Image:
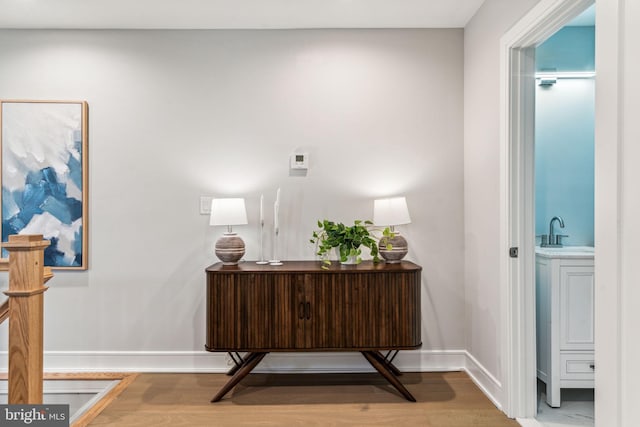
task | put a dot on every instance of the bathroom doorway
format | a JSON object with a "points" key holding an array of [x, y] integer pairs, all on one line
{"points": [[564, 223], [517, 237]]}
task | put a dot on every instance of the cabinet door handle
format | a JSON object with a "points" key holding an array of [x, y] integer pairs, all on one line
{"points": [[593, 366], [301, 311], [308, 311]]}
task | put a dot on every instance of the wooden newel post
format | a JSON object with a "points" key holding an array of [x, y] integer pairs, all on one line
{"points": [[26, 303]]}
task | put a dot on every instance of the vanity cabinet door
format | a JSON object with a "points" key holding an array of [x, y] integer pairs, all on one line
{"points": [[576, 307]]}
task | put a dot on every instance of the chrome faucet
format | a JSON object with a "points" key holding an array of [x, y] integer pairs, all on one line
{"points": [[560, 221], [553, 240]]}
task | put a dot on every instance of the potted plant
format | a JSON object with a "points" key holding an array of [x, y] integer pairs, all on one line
{"points": [[348, 240]]}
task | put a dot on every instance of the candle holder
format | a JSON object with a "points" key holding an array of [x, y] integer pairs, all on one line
{"points": [[275, 260], [276, 230], [262, 260]]}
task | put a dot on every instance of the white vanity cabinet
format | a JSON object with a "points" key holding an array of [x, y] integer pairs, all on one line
{"points": [[564, 319]]}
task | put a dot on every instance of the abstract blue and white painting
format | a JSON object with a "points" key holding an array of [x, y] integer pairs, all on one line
{"points": [[44, 177]]}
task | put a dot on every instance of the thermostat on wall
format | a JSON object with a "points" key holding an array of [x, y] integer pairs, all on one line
{"points": [[299, 161]]}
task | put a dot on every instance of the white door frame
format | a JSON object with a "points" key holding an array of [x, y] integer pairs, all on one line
{"points": [[517, 220]]}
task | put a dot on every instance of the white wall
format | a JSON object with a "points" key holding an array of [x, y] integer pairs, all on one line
{"points": [[617, 222], [630, 214], [482, 177], [617, 208], [176, 115]]}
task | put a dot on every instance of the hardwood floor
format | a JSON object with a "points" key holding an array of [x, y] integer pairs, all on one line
{"points": [[443, 399]]}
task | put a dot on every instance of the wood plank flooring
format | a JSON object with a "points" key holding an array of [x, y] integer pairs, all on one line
{"points": [[364, 399]]}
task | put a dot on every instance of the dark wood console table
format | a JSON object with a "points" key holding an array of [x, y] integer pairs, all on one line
{"points": [[257, 309]]}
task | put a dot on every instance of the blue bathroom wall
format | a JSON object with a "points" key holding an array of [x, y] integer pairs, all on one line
{"points": [[570, 49], [564, 163]]}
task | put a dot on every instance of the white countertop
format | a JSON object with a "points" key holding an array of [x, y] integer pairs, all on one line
{"points": [[566, 252]]}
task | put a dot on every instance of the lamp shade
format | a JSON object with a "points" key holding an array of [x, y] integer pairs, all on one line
{"points": [[228, 212], [392, 211]]}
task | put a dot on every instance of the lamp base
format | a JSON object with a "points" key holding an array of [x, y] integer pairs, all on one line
{"points": [[229, 248], [399, 248]]}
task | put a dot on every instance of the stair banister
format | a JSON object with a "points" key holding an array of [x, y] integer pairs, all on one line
{"points": [[27, 276]]}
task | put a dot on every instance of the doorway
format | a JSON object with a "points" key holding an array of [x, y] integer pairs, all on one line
{"points": [[564, 223], [517, 198]]}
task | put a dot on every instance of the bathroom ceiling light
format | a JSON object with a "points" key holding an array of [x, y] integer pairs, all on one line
{"points": [[566, 75]]}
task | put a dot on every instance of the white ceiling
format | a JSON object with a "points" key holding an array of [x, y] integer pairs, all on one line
{"points": [[240, 14]]}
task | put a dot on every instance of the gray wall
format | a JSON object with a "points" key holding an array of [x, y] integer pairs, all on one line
{"points": [[482, 177], [176, 115]]}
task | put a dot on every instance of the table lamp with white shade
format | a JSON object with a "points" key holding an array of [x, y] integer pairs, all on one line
{"points": [[391, 212], [229, 212]]}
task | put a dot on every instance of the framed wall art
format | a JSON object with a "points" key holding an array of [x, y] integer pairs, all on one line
{"points": [[44, 176]]}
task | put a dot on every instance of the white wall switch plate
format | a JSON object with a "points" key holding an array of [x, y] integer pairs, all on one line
{"points": [[205, 205]]}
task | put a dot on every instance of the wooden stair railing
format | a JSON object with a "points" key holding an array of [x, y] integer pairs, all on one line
{"points": [[4, 310], [24, 308], [4, 307]]}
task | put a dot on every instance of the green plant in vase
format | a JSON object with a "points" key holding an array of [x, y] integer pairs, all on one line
{"points": [[348, 240]]}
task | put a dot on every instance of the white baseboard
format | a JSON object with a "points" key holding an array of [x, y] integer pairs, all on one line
{"points": [[529, 422], [206, 362], [63, 386], [203, 361], [489, 385]]}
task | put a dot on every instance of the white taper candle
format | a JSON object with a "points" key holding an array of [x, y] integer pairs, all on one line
{"points": [[276, 211], [261, 209]]}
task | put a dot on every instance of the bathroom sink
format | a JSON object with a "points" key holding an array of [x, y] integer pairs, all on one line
{"points": [[566, 251]]}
